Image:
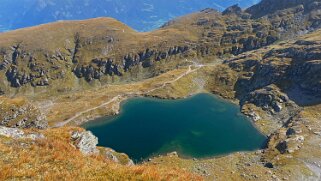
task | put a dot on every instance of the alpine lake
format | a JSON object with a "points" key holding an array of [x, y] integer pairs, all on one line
{"points": [[200, 126]]}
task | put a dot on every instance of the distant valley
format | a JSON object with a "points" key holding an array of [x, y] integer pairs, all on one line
{"points": [[55, 77], [142, 15]]}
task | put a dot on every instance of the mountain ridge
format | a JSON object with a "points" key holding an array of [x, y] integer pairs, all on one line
{"points": [[67, 73], [95, 51], [143, 16]]}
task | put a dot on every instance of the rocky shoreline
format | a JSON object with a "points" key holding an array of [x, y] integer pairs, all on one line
{"points": [[271, 69]]}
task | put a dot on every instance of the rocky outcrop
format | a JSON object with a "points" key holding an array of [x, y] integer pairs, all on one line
{"points": [[85, 141], [272, 83], [275, 104], [271, 21], [110, 154], [268, 98], [235, 9], [289, 138], [109, 66], [266, 7], [18, 113], [297, 65], [118, 157], [96, 52], [22, 67], [19, 134]]}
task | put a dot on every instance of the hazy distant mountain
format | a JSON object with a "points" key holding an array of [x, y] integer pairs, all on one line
{"points": [[142, 15]]}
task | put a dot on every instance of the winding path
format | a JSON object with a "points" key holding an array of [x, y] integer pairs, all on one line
{"points": [[118, 97], [86, 111]]}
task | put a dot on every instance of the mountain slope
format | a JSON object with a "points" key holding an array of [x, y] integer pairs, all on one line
{"points": [[143, 15], [55, 154], [266, 58], [106, 51], [268, 7], [260, 79]]}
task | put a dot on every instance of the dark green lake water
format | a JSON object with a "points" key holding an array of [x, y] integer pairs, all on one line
{"points": [[200, 126]]}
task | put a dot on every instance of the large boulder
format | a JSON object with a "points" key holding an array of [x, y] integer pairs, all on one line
{"points": [[86, 142]]}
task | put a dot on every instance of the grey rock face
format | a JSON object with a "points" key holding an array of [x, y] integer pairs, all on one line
{"points": [[238, 33], [254, 116], [276, 104], [235, 9], [108, 66], [86, 142], [298, 66], [120, 158], [271, 6], [291, 139], [130, 163], [266, 98], [110, 155], [23, 116], [19, 134]]}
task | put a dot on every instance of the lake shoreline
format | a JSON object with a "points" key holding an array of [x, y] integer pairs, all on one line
{"points": [[101, 122]]}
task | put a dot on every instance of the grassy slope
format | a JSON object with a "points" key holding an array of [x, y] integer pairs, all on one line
{"points": [[55, 158], [220, 80]]}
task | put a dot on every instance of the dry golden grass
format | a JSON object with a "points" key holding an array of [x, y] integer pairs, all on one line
{"points": [[84, 100], [54, 158], [60, 36], [18, 101]]}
